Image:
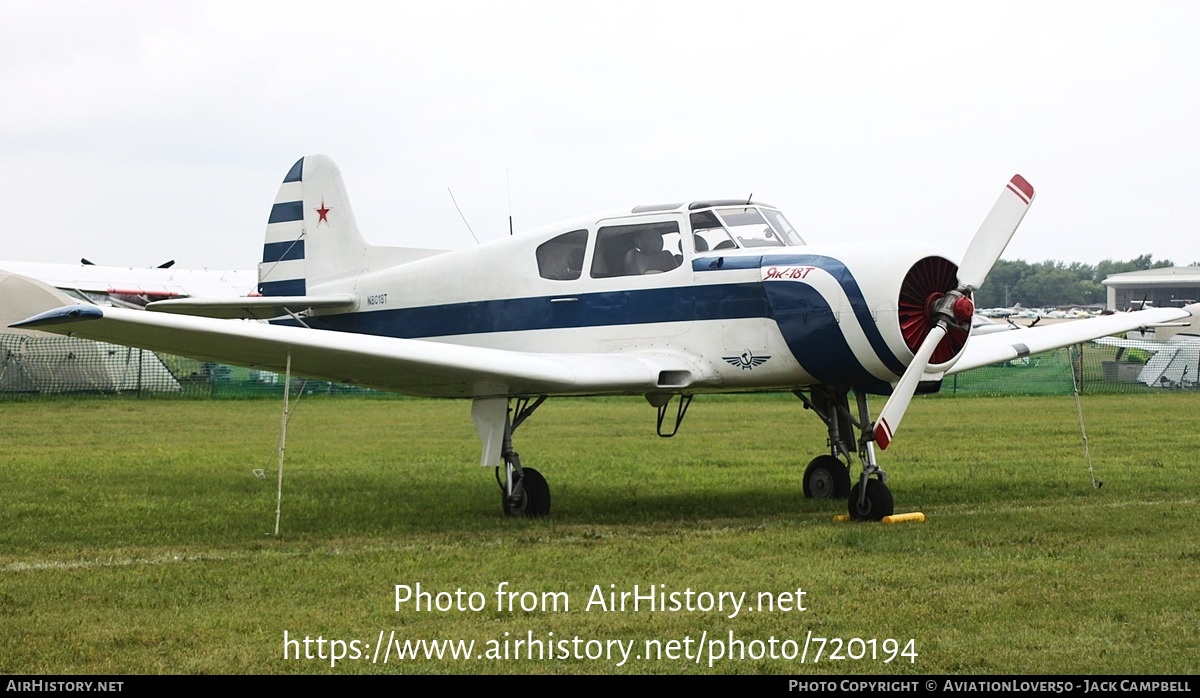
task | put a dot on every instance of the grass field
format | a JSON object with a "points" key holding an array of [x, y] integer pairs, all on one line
{"points": [[135, 538]]}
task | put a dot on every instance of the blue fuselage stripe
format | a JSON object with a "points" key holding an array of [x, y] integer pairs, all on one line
{"points": [[672, 304], [804, 316], [814, 336], [862, 310], [835, 268]]}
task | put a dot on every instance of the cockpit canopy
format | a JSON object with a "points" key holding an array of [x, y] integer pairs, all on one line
{"points": [[641, 244], [726, 227]]}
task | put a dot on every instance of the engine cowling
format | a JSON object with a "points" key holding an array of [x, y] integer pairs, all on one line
{"points": [[855, 317], [927, 282]]}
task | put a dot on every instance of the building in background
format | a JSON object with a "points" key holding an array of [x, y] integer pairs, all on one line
{"points": [[1165, 287]]}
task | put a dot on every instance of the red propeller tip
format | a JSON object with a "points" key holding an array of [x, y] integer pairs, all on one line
{"points": [[883, 434], [1021, 188]]}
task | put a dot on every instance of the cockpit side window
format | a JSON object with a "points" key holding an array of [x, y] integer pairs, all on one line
{"points": [[561, 258], [708, 233], [633, 250]]}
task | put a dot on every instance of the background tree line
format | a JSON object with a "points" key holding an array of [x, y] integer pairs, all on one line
{"points": [[1053, 283]]}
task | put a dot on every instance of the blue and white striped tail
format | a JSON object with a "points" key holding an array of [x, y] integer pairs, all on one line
{"points": [[282, 270], [311, 233]]}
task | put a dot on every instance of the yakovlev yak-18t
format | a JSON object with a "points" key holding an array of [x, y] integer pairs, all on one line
{"points": [[666, 301]]}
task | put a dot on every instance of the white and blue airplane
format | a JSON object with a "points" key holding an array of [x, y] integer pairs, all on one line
{"points": [[666, 301]]}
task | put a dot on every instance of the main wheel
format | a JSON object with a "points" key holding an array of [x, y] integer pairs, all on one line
{"points": [[826, 477], [877, 505], [531, 495]]}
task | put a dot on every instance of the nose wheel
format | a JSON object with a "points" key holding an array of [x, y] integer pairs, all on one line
{"points": [[828, 476], [871, 503]]}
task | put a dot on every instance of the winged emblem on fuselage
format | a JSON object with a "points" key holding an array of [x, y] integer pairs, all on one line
{"points": [[746, 360]]}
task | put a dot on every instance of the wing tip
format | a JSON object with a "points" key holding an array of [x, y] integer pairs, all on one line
{"points": [[58, 316]]}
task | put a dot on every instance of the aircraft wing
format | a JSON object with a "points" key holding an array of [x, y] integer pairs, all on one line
{"points": [[409, 366], [1005, 346]]}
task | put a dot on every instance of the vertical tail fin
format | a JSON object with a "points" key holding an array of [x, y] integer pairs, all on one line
{"points": [[311, 233]]}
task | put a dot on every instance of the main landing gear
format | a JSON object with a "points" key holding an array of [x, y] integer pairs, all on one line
{"points": [[523, 491], [828, 476]]}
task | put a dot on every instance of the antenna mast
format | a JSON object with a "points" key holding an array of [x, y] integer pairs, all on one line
{"points": [[508, 184], [460, 215]]}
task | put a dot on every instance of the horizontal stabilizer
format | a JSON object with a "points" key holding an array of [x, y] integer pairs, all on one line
{"points": [[255, 307]]}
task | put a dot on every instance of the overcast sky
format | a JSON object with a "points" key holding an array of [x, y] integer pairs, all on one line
{"points": [[134, 133]]}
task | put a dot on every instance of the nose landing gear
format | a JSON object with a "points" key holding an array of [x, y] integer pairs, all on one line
{"points": [[828, 476]]}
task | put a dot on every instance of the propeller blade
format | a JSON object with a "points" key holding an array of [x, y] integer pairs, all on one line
{"points": [[956, 307], [894, 408], [993, 236]]}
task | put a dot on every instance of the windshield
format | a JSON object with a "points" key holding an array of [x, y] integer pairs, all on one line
{"points": [[782, 227], [747, 225]]}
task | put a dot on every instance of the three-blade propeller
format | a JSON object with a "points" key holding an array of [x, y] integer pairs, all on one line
{"points": [[956, 307]]}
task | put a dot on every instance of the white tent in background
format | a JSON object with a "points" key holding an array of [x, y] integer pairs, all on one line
{"points": [[45, 363], [51, 364]]}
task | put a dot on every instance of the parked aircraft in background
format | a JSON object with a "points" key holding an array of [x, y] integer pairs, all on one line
{"points": [[1175, 362], [132, 287], [37, 362], [34, 362], [1002, 312], [666, 301], [980, 324]]}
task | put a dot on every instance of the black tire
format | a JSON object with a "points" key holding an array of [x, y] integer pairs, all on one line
{"points": [[826, 477], [531, 496], [878, 503]]}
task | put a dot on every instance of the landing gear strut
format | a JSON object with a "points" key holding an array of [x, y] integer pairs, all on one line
{"points": [[828, 476], [523, 491]]}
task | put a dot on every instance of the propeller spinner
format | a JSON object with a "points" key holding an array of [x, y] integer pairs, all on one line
{"points": [[955, 307]]}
